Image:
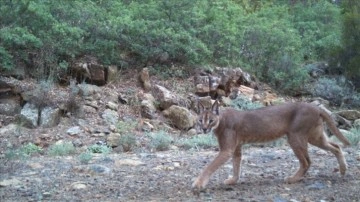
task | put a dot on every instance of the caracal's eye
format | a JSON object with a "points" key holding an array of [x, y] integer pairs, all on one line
{"points": [[211, 120], [200, 120]]}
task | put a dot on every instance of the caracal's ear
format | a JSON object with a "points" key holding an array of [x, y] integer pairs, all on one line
{"points": [[215, 107], [201, 107]]}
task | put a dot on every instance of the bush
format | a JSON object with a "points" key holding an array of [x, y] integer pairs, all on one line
{"points": [[244, 103], [30, 149], [125, 127], [61, 149], [354, 135], [127, 142], [100, 149], [203, 141], [23, 152], [160, 141], [331, 89], [85, 157]]}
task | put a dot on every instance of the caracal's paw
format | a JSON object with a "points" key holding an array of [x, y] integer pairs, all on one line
{"points": [[292, 180], [199, 184], [231, 181], [343, 169]]}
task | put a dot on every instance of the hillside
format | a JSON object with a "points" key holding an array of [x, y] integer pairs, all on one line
{"points": [[89, 156]]}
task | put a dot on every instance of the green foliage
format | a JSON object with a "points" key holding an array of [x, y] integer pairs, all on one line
{"points": [[127, 142], [350, 54], [61, 149], [319, 26], [244, 103], [160, 141], [331, 89], [99, 149], [30, 149], [85, 157], [271, 39], [23, 152], [203, 141], [354, 135], [125, 127]]}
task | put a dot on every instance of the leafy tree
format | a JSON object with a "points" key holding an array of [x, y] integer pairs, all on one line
{"points": [[351, 38]]}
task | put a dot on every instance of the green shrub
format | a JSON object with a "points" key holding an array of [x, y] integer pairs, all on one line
{"points": [[244, 103], [203, 141], [354, 135], [30, 149], [100, 149], [22, 152], [85, 157], [160, 141], [127, 142], [61, 149], [330, 89], [13, 154], [124, 127]]}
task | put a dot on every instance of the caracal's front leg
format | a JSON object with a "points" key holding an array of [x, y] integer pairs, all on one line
{"points": [[203, 178], [236, 166]]}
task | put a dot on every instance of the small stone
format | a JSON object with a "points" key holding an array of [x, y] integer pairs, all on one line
{"points": [[112, 105], [128, 162], [77, 185], [74, 131], [9, 182]]}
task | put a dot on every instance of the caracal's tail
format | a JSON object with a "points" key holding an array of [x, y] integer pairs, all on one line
{"points": [[331, 124]]}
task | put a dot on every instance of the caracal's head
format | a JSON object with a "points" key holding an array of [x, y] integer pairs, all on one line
{"points": [[208, 119]]}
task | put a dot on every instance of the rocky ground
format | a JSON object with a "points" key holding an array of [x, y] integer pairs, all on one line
{"points": [[144, 174], [167, 176]]}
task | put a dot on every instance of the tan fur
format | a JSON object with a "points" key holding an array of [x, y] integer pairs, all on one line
{"points": [[302, 123]]}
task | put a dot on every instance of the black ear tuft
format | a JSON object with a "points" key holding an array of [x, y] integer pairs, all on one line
{"points": [[215, 108]]}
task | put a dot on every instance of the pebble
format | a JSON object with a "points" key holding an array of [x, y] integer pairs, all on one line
{"points": [[78, 185], [9, 182]]}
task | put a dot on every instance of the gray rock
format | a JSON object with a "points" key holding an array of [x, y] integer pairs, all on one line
{"points": [[87, 89], [111, 117], [29, 116], [316, 186], [113, 140], [50, 117], [180, 117], [76, 130], [10, 107], [349, 114], [164, 96], [147, 109], [112, 105]]}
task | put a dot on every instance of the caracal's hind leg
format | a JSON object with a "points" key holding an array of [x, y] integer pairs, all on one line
{"points": [[299, 145], [236, 160], [322, 142]]}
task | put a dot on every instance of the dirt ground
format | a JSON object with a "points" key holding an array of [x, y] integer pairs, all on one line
{"points": [[167, 176]]}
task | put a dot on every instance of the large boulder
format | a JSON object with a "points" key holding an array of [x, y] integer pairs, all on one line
{"points": [[110, 117], [349, 114], [148, 109], [113, 139], [50, 117], [29, 116], [10, 107], [88, 89], [180, 117], [164, 97], [97, 73]]}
